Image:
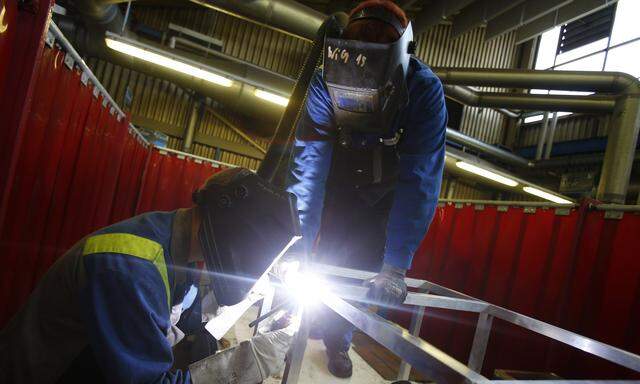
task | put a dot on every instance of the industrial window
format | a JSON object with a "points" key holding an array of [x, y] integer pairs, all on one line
{"points": [[607, 40]]}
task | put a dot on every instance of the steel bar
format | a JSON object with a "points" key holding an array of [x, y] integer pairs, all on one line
{"points": [[541, 204], [327, 269], [180, 153], [359, 293], [479, 12], [437, 12], [416, 325], [480, 342], [237, 130], [573, 11], [296, 353], [521, 15], [616, 207], [594, 347], [422, 356]]}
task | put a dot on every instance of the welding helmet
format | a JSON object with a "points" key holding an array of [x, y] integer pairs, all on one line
{"points": [[367, 81], [246, 225]]}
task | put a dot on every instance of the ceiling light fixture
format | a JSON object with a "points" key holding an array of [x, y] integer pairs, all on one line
{"points": [[546, 195], [272, 97], [145, 53], [486, 174]]}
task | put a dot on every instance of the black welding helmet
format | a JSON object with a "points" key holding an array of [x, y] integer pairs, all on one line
{"points": [[247, 223], [367, 81]]}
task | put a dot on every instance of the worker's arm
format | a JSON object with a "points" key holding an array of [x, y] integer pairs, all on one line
{"points": [[312, 158], [420, 171], [125, 306]]}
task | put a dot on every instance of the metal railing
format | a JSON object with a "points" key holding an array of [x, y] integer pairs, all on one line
{"points": [[423, 356]]}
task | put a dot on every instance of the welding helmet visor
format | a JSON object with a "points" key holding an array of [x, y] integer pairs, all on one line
{"points": [[247, 224], [367, 81]]}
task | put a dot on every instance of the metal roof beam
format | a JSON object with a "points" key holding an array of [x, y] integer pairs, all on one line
{"points": [[480, 12], [521, 15], [435, 13], [564, 15]]}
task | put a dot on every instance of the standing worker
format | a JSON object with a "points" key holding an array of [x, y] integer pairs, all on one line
{"points": [[107, 310], [368, 158]]}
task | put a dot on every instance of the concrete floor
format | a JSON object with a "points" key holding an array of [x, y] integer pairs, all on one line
{"points": [[314, 368]]}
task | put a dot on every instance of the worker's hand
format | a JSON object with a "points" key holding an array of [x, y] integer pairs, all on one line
{"points": [[250, 362], [388, 287]]}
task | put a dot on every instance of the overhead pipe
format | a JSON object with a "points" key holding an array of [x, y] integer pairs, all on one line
{"points": [[483, 147], [568, 103], [285, 16], [591, 81], [104, 14], [470, 97], [621, 148]]}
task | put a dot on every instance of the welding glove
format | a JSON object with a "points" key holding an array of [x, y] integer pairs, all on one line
{"points": [[250, 362], [388, 288]]}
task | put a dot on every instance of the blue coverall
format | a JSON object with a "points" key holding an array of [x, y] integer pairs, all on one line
{"points": [[367, 221], [104, 308]]}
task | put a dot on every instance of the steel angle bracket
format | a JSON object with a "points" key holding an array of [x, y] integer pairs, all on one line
{"points": [[50, 39], [69, 61]]}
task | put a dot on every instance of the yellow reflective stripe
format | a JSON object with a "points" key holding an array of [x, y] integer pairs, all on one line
{"points": [[132, 245]]}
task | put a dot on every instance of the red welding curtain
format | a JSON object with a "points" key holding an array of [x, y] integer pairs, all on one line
{"points": [[580, 271], [170, 180], [79, 170]]}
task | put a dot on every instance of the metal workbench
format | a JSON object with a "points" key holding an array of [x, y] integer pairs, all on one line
{"points": [[423, 356]]}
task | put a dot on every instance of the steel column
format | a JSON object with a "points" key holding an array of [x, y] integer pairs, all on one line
{"points": [[190, 131], [542, 136], [552, 132]]}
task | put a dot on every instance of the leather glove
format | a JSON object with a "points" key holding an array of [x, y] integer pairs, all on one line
{"points": [[388, 287], [250, 362]]}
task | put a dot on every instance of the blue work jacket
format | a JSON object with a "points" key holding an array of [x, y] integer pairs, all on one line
{"points": [[107, 303], [127, 300], [420, 161]]}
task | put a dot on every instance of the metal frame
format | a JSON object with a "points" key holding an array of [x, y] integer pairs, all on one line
{"points": [[423, 356]]}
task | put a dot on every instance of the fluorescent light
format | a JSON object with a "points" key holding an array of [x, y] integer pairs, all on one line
{"points": [[533, 119], [167, 62], [486, 173], [546, 195], [272, 97]]}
